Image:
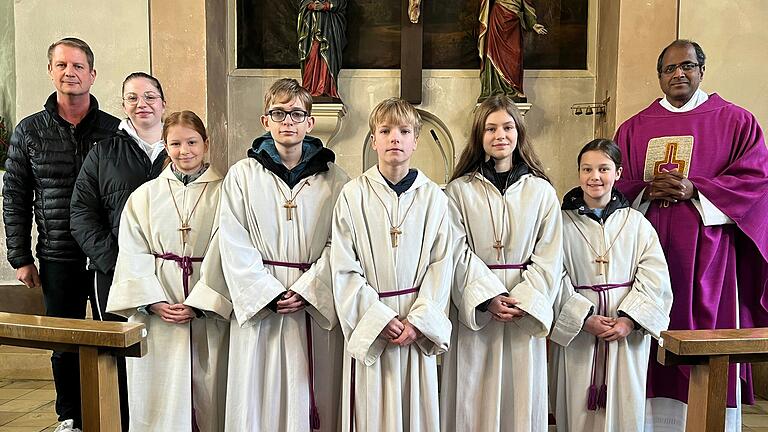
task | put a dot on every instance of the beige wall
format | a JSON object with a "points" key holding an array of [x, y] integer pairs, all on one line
{"points": [[117, 31], [178, 53], [646, 27], [449, 95], [734, 38], [7, 64], [631, 34]]}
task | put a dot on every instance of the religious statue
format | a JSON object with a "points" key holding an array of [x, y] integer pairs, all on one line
{"points": [[322, 38], [500, 46], [414, 10]]}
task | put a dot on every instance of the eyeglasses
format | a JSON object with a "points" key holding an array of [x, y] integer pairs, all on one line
{"points": [[686, 67], [149, 98], [297, 116]]}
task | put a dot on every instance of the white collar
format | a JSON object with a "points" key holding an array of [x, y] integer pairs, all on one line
{"points": [[152, 150], [698, 98]]}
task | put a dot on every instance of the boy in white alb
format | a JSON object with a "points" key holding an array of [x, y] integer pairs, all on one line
{"points": [[394, 237], [285, 356]]}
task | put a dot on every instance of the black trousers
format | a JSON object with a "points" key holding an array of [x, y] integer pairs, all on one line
{"points": [[67, 286], [103, 282]]}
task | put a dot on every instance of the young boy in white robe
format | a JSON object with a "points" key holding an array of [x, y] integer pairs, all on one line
{"points": [[276, 211], [167, 243], [495, 375], [615, 296], [394, 238]]}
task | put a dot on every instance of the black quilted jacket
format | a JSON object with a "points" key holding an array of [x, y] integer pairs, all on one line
{"points": [[44, 158], [113, 169]]}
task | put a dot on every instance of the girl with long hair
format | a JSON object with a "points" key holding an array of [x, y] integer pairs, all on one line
{"points": [[495, 374]]}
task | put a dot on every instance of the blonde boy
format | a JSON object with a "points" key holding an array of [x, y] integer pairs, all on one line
{"points": [[285, 348], [391, 256]]}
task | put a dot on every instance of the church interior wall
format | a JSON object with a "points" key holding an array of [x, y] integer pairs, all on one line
{"points": [[733, 36], [7, 64], [645, 28], [118, 33], [179, 54], [449, 95]]}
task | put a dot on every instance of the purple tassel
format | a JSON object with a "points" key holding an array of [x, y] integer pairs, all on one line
{"points": [[602, 396], [314, 418], [592, 398]]}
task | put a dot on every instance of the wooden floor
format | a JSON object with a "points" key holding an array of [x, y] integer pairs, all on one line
{"points": [[28, 406]]}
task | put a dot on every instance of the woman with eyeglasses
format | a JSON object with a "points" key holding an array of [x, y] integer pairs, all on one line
{"points": [[113, 169]]}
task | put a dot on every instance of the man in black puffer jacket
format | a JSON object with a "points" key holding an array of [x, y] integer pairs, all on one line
{"points": [[45, 155]]}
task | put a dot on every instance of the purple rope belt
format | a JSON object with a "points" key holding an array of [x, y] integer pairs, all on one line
{"points": [[596, 398], [508, 266], [314, 415], [185, 263], [301, 266], [385, 294]]}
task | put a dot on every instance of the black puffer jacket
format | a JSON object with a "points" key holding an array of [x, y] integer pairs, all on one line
{"points": [[44, 158], [113, 169]]}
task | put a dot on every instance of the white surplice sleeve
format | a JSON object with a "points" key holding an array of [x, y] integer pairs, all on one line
{"points": [[570, 311], [251, 286], [473, 282], [315, 287], [135, 283], [361, 315], [541, 279], [210, 293], [650, 299], [429, 313]]}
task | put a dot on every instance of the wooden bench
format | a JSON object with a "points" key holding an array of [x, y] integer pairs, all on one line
{"points": [[98, 342], [710, 352]]}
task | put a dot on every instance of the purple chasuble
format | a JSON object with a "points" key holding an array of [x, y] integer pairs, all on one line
{"points": [[729, 166]]}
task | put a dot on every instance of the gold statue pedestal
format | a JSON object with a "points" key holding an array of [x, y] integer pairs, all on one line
{"points": [[327, 121]]}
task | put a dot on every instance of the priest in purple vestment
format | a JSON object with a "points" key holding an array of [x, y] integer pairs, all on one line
{"points": [[697, 165]]}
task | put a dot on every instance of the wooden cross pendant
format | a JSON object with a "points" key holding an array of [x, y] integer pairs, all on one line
{"points": [[289, 206], [393, 233], [185, 229], [601, 261], [498, 246]]}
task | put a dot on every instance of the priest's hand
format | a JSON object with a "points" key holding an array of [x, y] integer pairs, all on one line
{"points": [[290, 303], [502, 308], [598, 324], [621, 329], [538, 28], [670, 186], [392, 330], [174, 314], [408, 336]]}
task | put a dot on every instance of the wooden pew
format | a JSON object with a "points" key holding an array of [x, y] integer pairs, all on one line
{"points": [[710, 352], [98, 342]]}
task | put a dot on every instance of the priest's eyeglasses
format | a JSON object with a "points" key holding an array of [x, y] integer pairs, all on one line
{"points": [[686, 67], [149, 97], [297, 116]]}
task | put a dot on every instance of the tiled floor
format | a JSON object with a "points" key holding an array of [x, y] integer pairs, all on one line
{"points": [[28, 406]]}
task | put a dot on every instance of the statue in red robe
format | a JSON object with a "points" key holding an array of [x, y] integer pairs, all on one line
{"points": [[500, 46], [322, 38]]}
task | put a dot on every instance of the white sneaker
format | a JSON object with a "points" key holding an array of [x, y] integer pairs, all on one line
{"points": [[67, 426]]}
